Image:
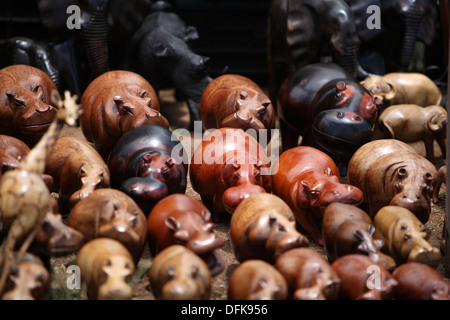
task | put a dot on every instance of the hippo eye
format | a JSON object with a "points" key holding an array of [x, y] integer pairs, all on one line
{"points": [[262, 284], [281, 228], [339, 96], [195, 271], [236, 176], [133, 221], [314, 194], [402, 173], [428, 176], [170, 269], [19, 103], [108, 263], [127, 110], [243, 95], [262, 112], [407, 237], [41, 277], [142, 93], [257, 173], [340, 115], [116, 206]]}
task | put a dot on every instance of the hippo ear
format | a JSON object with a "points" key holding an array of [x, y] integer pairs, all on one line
{"points": [[390, 95], [191, 34], [172, 224], [340, 86], [160, 50], [206, 215], [195, 271]]}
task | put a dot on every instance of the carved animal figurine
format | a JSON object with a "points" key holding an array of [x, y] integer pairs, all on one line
{"points": [[115, 103], [179, 218], [404, 88], [26, 110], [440, 179], [77, 169], [29, 280], [112, 214], [257, 280], [418, 281], [308, 180], [106, 268], [329, 109], [404, 236], [161, 49], [228, 166], [263, 227], [235, 101], [177, 273], [348, 229], [411, 123], [24, 198], [148, 164], [363, 279], [390, 172], [308, 274]]}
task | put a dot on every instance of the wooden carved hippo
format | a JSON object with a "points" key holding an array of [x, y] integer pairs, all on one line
{"points": [[348, 229], [235, 101], [263, 227], [115, 103], [411, 123], [177, 273], [112, 214], [228, 166], [148, 164], [179, 218], [308, 180], [363, 279], [29, 280], [12, 151], [106, 268], [418, 281], [329, 109], [404, 236], [77, 169], [308, 274], [257, 280], [26, 111], [403, 88], [390, 172]]}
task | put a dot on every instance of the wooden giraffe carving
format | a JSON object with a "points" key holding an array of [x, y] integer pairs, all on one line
{"points": [[24, 197]]}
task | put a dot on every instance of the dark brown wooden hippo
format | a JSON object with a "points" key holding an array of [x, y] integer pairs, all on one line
{"points": [[77, 169], [308, 274], [148, 164], [235, 101], [115, 103], [308, 180], [26, 110], [263, 227], [348, 229], [228, 166], [257, 280], [112, 214], [181, 219], [390, 172]]}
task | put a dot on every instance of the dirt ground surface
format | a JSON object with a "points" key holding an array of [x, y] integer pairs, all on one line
{"points": [[178, 116]]}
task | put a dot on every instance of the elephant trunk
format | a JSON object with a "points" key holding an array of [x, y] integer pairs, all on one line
{"points": [[349, 61], [44, 63], [95, 37], [412, 17]]}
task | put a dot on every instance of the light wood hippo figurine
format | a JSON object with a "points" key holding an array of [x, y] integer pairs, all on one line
{"points": [[404, 236], [348, 229], [106, 268], [308, 274], [177, 273], [403, 88], [263, 227], [308, 180], [235, 101], [77, 169], [257, 280], [390, 172], [411, 123]]}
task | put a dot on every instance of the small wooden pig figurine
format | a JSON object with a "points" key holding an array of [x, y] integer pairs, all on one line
{"points": [[390, 172], [77, 169], [263, 227], [179, 218], [112, 214], [26, 111], [148, 164], [235, 101], [348, 229], [228, 166], [106, 268], [177, 273], [363, 279], [404, 236], [411, 123], [309, 276], [115, 103], [257, 280], [29, 280], [307, 179], [403, 88], [418, 281]]}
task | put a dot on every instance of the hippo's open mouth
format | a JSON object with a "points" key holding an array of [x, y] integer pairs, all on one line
{"points": [[214, 262], [36, 127]]}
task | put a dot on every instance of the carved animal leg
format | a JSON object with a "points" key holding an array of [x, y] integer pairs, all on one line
{"points": [[440, 179], [442, 142], [429, 147]]}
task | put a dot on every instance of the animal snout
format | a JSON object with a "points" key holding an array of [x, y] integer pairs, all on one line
{"points": [[206, 244], [117, 291], [414, 202], [179, 289], [235, 195]]}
